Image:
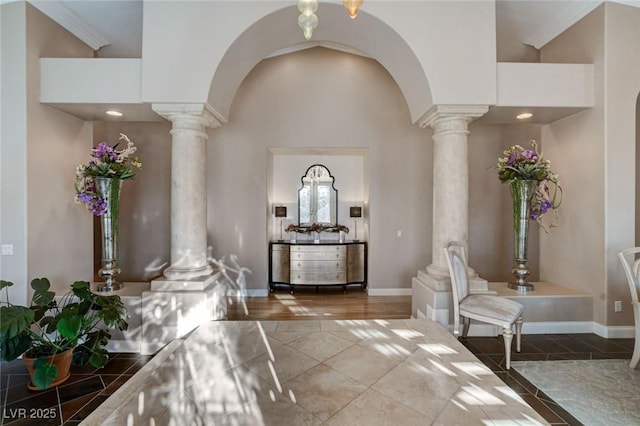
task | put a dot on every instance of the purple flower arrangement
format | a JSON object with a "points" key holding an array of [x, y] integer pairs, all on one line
{"points": [[106, 161], [520, 163]]}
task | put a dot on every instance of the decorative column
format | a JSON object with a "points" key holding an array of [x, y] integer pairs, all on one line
{"points": [[432, 288], [188, 189], [189, 293]]}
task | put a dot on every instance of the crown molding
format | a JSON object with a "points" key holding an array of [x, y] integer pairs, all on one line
{"points": [[65, 17], [573, 12]]}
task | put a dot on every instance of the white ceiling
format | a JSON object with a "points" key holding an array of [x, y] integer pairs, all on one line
{"points": [[114, 27]]}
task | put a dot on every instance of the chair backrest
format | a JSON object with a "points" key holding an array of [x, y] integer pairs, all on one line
{"points": [[631, 270], [458, 273]]}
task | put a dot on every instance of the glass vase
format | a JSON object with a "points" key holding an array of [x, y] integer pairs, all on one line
{"points": [[109, 190], [521, 194]]}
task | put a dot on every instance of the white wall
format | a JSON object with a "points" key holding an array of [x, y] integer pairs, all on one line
{"points": [[13, 150], [411, 48], [287, 170]]}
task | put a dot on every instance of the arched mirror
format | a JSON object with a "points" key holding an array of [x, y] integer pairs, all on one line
{"points": [[317, 199]]}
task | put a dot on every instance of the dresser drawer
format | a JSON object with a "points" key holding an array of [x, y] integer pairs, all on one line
{"points": [[318, 265], [318, 255], [319, 249], [318, 278]]}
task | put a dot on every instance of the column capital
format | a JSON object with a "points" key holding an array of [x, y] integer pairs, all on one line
{"points": [[457, 115], [190, 115]]}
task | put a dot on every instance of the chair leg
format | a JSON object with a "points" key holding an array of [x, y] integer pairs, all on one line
{"points": [[636, 348], [518, 333], [508, 337], [465, 326]]}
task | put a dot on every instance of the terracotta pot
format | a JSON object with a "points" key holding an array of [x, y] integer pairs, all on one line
{"points": [[61, 360]]}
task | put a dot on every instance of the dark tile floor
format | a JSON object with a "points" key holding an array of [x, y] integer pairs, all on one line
{"points": [[68, 403], [87, 388], [546, 347]]}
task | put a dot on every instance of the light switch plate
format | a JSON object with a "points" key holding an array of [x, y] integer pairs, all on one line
{"points": [[7, 249]]}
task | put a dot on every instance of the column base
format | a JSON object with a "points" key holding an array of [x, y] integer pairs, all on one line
{"points": [[198, 283], [172, 309], [175, 273]]}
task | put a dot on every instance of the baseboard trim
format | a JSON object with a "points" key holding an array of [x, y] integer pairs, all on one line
{"points": [[565, 327], [252, 292], [247, 292], [614, 331], [389, 291]]}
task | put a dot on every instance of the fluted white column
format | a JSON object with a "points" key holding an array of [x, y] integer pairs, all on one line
{"points": [[450, 179], [188, 189]]}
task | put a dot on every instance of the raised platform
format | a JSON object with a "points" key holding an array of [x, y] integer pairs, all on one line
{"points": [[157, 316], [550, 308]]}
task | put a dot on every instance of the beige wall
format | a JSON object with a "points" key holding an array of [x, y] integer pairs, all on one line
{"points": [[491, 234], [322, 99], [622, 31], [56, 143], [145, 239], [316, 101], [573, 254], [596, 152]]}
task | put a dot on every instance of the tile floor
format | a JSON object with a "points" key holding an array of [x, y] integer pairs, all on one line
{"points": [[68, 403], [85, 391], [312, 372], [538, 347]]}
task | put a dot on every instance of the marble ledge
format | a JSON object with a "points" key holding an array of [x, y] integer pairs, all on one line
{"points": [[541, 289]]}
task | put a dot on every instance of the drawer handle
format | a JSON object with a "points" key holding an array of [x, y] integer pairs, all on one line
{"points": [[337, 264], [298, 263], [337, 255]]}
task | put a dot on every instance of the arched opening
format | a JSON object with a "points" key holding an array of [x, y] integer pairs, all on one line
{"points": [[366, 35]]}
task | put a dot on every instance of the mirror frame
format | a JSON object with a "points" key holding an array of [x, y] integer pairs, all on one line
{"points": [[334, 196]]}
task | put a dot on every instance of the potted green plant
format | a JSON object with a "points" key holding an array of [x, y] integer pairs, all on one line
{"points": [[75, 327]]}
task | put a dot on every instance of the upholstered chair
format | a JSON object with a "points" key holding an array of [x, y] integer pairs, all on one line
{"points": [[485, 308], [632, 271]]}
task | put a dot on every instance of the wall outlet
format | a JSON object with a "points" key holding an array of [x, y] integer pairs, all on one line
{"points": [[617, 306]]}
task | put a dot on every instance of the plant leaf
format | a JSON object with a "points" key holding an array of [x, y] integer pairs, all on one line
{"points": [[40, 284], [11, 349], [99, 358], [42, 296], [14, 320], [4, 284], [69, 326], [44, 373]]}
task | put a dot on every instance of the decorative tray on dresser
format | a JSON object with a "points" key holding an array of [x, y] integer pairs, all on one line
{"points": [[326, 263]]}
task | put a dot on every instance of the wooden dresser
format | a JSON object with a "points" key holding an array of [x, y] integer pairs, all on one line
{"points": [[317, 264]]}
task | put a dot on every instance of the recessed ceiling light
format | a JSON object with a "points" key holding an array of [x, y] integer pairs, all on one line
{"points": [[524, 115], [114, 113]]}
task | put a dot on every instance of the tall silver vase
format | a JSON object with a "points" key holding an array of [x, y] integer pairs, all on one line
{"points": [[109, 190], [521, 194]]}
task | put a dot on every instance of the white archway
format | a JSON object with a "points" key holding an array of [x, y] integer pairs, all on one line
{"points": [[367, 35]]}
